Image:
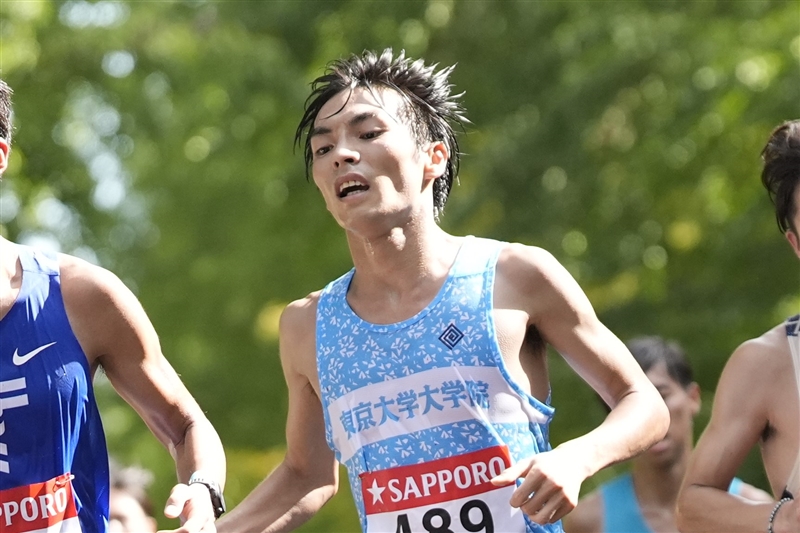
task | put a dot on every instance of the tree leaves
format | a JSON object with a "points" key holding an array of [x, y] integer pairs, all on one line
{"points": [[156, 139]]}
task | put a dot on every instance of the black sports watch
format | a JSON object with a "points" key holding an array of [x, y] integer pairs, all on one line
{"points": [[217, 499]]}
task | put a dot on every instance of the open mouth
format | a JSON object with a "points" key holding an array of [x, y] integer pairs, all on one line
{"points": [[351, 187]]}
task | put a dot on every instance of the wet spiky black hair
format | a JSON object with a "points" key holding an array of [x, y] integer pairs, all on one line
{"points": [[432, 110]]}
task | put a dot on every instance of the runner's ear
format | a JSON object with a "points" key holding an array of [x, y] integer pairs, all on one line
{"points": [[693, 390], [437, 156], [794, 240]]}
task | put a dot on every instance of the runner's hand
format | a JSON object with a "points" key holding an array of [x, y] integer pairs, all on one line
{"points": [[192, 504], [551, 485]]}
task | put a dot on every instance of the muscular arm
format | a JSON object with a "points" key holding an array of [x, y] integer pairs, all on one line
{"points": [[562, 314], [739, 416], [308, 475], [638, 416], [115, 333]]}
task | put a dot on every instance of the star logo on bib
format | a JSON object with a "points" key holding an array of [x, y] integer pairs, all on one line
{"points": [[376, 491]]}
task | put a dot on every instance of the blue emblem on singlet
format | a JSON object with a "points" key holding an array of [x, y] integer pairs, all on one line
{"points": [[423, 412]]}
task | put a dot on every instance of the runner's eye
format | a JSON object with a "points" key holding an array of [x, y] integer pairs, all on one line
{"points": [[321, 151]]}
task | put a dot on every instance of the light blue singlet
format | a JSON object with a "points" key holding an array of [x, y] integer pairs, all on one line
{"points": [[621, 512], [423, 412]]}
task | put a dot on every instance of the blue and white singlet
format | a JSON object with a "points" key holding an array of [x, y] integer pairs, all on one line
{"points": [[621, 511], [423, 413], [53, 459]]}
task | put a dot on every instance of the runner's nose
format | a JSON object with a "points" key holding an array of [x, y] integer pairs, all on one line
{"points": [[345, 155]]}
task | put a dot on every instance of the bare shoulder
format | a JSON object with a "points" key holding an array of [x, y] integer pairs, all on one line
{"points": [[531, 263], [763, 368], [299, 317], [104, 314], [531, 278], [527, 270], [759, 369], [298, 336], [587, 517], [760, 362], [98, 303], [83, 283]]}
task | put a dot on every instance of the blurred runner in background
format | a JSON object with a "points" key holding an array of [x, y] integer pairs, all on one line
{"points": [[643, 500], [130, 509]]}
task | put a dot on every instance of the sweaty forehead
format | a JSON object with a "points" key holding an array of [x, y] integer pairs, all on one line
{"points": [[380, 101]]}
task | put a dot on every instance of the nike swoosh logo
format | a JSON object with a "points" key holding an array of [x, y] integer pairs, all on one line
{"points": [[22, 359]]}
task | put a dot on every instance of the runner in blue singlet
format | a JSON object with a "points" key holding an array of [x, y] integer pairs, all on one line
{"points": [[424, 369], [60, 320], [643, 500]]}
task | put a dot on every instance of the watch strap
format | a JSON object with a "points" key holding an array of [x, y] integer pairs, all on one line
{"points": [[217, 499]]}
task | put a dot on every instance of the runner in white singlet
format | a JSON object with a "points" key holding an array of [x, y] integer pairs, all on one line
{"points": [[757, 399]]}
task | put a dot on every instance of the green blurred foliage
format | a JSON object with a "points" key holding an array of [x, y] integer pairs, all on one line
{"points": [[155, 138]]}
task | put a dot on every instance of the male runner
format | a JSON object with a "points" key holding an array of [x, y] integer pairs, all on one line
{"points": [[61, 319], [643, 500], [424, 368], [757, 395], [129, 507]]}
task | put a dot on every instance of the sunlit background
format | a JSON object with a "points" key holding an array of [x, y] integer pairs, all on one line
{"points": [[155, 139]]}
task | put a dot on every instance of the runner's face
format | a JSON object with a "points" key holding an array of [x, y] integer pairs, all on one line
{"points": [[366, 161], [683, 404], [127, 516]]}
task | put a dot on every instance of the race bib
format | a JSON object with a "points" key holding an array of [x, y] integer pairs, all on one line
{"points": [[47, 507], [443, 496]]}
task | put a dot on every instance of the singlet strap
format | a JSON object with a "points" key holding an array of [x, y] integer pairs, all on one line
{"points": [[621, 510], [34, 260], [793, 338], [35, 264], [476, 256]]}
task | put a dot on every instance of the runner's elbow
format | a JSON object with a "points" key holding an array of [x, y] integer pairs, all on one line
{"points": [[322, 481], [328, 491], [685, 512], [656, 416], [314, 500]]}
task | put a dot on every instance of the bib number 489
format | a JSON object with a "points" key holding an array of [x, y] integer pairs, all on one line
{"points": [[438, 520]]}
